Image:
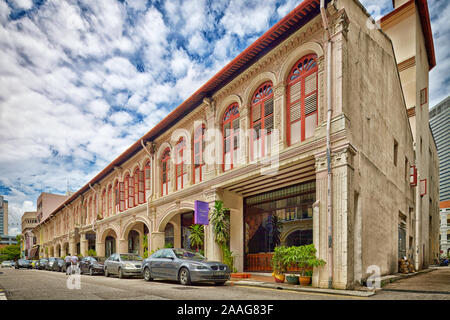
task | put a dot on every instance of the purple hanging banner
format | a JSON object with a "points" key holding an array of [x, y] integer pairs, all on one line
{"points": [[201, 210]]}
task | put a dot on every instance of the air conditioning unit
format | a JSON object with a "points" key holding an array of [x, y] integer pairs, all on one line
{"points": [[413, 176]]}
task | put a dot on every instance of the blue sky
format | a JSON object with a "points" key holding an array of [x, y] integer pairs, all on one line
{"points": [[80, 81]]}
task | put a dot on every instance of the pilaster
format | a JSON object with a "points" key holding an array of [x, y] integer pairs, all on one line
{"points": [[212, 249], [342, 171]]}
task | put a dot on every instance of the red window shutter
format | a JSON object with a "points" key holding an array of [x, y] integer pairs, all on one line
{"points": [[413, 176], [130, 192], [141, 187], [121, 197]]}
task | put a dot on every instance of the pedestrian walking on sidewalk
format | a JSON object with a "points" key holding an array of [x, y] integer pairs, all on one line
{"points": [[68, 262], [74, 261]]}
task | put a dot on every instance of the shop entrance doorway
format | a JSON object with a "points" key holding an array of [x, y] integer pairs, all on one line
{"points": [[280, 217]]}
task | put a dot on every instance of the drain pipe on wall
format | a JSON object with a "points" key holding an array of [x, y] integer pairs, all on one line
{"points": [[323, 13]]}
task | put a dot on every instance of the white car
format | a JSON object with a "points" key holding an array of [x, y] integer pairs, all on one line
{"points": [[7, 264]]}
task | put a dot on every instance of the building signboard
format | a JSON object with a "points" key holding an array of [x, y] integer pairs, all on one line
{"points": [[201, 210]]}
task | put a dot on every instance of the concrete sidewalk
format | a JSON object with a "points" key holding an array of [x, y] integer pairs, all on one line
{"points": [[398, 276], [267, 281]]}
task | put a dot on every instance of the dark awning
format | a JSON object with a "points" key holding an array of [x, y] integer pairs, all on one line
{"points": [[34, 252]]}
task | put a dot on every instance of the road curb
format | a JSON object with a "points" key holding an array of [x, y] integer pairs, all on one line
{"points": [[298, 288]]}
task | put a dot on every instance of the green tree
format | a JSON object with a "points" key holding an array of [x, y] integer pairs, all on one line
{"points": [[11, 252], [197, 235], [19, 240]]}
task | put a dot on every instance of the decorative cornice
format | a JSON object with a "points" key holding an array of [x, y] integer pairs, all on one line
{"points": [[398, 15]]}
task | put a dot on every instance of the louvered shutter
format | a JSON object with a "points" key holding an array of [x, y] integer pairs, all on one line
{"points": [[141, 187], [121, 196], [130, 192], [268, 114], [147, 182], [311, 104], [311, 83], [295, 111], [295, 92], [256, 113]]}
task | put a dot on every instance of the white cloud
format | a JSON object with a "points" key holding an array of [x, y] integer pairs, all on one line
{"points": [[121, 118], [22, 4], [247, 17], [99, 108]]}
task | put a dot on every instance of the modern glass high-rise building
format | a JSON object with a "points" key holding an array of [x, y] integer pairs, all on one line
{"points": [[3, 216], [440, 126]]}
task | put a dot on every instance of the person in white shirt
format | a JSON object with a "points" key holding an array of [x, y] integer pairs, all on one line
{"points": [[67, 260], [74, 261]]}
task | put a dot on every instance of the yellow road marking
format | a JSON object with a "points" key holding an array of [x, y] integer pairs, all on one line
{"points": [[303, 292]]}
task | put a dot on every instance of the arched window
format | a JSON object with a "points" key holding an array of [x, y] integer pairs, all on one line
{"points": [[148, 181], [262, 120], [165, 176], [110, 201], [199, 149], [302, 100], [230, 132], [180, 165]]}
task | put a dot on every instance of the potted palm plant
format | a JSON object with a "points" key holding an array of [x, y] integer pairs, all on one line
{"points": [[280, 263], [305, 258], [197, 235]]}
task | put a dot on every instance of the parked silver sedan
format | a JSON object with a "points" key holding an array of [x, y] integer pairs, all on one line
{"points": [[184, 266], [123, 264]]}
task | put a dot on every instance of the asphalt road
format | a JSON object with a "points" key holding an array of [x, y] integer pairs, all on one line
{"points": [[46, 285]]}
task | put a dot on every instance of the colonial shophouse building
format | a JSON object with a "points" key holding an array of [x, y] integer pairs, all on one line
{"points": [[29, 239], [311, 123]]}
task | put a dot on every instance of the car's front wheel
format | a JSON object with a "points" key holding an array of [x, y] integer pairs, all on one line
{"points": [[147, 274], [184, 276]]}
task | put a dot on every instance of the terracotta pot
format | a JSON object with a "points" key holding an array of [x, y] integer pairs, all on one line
{"points": [[304, 281]]}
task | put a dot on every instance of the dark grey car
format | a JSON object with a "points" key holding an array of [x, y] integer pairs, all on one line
{"points": [[184, 266], [123, 264]]}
